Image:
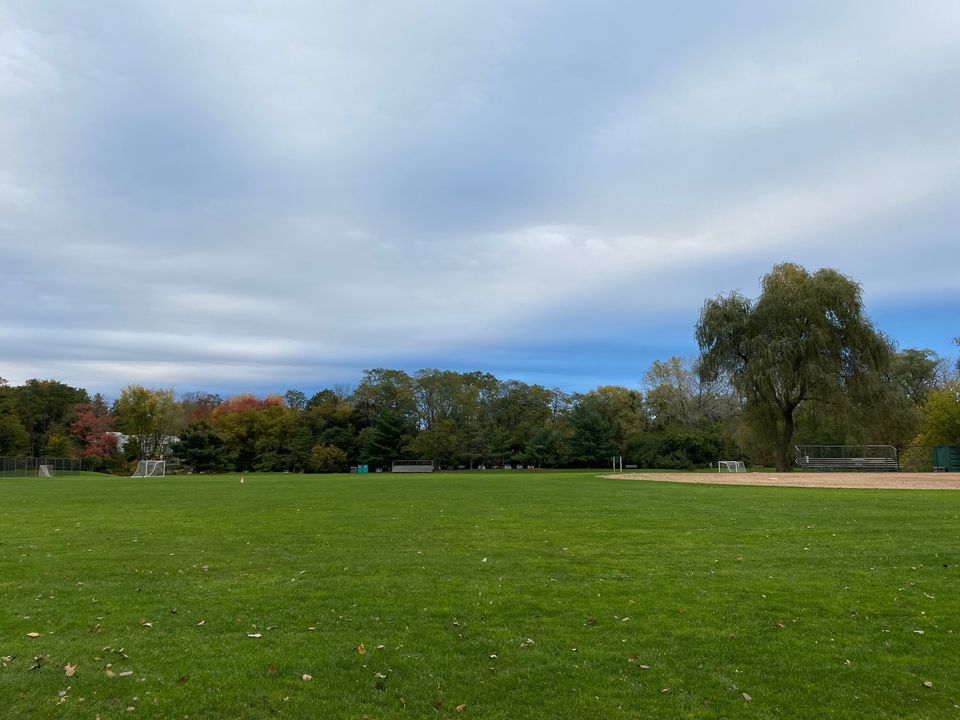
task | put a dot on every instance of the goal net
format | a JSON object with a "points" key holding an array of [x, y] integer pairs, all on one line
{"points": [[150, 468], [45, 471], [731, 466]]}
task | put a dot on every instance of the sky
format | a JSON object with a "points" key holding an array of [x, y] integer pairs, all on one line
{"points": [[270, 194]]}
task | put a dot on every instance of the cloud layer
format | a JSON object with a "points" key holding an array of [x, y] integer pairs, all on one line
{"points": [[264, 195]]}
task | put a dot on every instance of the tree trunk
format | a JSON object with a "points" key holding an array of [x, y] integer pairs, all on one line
{"points": [[783, 446]]}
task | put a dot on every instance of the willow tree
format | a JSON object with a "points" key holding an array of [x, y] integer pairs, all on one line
{"points": [[805, 340]]}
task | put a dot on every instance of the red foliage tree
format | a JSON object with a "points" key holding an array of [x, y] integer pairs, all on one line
{"points": [[91, 427]]}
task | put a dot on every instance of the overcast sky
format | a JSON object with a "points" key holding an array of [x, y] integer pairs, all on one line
{"points": [[273, 194]]}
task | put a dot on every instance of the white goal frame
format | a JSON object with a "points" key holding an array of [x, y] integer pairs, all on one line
{"points": [[150, 468], [731, 466], [45, 470]]}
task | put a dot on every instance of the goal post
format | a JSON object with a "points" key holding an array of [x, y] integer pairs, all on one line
{"points": [[731, 466], [45, 471], [150, 468]]}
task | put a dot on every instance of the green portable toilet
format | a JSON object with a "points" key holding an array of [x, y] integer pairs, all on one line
{"points": [[946, 458]]}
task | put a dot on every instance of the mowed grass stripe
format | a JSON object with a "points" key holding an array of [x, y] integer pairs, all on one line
{"points": [[806, 600]]}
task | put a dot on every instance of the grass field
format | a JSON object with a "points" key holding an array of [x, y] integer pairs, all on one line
{"points": [[512, 595]]}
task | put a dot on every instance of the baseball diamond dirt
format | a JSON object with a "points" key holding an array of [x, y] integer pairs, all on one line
{"points": [[864, 480]]}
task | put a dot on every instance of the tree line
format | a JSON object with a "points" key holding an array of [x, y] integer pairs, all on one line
{"points": [[799, 364]]}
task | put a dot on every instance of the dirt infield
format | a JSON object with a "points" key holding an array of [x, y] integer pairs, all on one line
{"points": [[885, 481]]}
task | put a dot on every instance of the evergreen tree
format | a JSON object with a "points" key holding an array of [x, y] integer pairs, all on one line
{"points": [[592, 443], [202, 450], [386, 440]]}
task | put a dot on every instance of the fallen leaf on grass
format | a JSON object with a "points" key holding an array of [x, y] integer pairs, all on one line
{"points": [[920, 632], [665, 690], [33, 634], [272, 670], [7, 659], [126, 673], [202, 622], [591, 621], [109, 672], [461, 708], [746, 697], [38, 662], [928, 684], [254, 635], [182, 680], [361, 649], [307, 677], [69, 669], [527, 643]]}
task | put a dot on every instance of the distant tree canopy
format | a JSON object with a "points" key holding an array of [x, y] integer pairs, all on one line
{"points": [[14, 438], [149, 416], [44, 408], [940, 424]]}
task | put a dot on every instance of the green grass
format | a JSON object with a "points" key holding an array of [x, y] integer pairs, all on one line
{"points": [[806, 600]]}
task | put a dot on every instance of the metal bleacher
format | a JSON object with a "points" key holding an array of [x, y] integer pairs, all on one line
{"points": [[412, 466], [870, 458]]}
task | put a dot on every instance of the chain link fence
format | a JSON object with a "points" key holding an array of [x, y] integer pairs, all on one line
{"points": [[39, 466], [916, 458]]}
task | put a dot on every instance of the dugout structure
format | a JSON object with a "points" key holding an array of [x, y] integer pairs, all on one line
{"points": [[946, 458], [412, 466], [847, 457], [39, 466]]}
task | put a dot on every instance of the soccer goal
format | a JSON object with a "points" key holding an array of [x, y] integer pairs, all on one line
{"points": [[45, 471], [150, 468], [731, 466]]}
